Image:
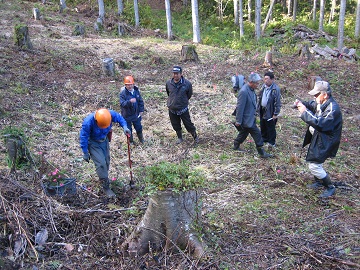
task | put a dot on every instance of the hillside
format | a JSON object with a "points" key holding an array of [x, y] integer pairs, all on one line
{"points": [[257, 214]]}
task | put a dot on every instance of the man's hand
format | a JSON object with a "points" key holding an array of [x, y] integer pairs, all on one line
{"points": [[86, 157], [301, 107], [127, 131], [132, 100]]}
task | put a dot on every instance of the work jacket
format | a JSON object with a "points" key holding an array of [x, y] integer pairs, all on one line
{"points": [[325, 140], [91, 131], [178, 94], [246, 106], [130, 111], [273, 105]]}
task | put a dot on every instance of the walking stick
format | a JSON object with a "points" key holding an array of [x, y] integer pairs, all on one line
{"points": [[130, 162]]}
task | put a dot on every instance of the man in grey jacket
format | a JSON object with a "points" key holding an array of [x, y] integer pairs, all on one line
{"points": [[246, 116], [179, 91]]}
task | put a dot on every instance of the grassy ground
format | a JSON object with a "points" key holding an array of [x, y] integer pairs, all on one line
{"points": [[257, 214]]}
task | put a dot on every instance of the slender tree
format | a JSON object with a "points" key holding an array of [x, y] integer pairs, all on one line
{"points": [[272, 2], [101, 10], [314, 10], [62, 5], [168, 19], [289, 7], [357, 23], [257, 19], [136, 11], [241, 18], [321, 17], [236, 12], [120, 7], [294, 10], [249, 10], [332, 11], [341, 24], [195, 21]]}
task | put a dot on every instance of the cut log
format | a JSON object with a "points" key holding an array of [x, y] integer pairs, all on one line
{"points": [[188, 53], [167, 224], [36, 13], [22, 39]]}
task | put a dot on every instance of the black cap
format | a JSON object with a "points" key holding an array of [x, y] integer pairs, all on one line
{"points": [[177, 69]]}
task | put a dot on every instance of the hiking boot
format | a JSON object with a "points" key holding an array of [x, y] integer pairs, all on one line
{"points": [[262, 153]]}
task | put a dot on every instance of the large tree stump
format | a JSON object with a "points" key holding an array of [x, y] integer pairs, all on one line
{"points": [[167, 224], [304, 51], [188, 53], [22, 39], [268, 59], [108, 67], [79, 30], [36, 13]]}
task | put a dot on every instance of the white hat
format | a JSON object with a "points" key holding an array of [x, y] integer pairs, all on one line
{"points": [[254, 77], [320, 86]]}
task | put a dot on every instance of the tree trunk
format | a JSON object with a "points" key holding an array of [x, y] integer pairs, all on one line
{"points": [[189, 53], [120, 7], [108, 67], [101, 10], [289, 7], [195, 21], [168, 19], [257, 19], [305, 51], [36, 13], [341, 24], [357, 23], [332, 11], [268, 59], [79, 30], [321, 18], [236, 12], [314, 10], [241, 19], [62, 5], [136, 11], [294, 10], [268, 16], [22, 39], [249, 10], [167, 223]]}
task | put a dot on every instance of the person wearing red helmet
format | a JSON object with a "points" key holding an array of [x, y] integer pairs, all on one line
{"points": [[94, 142]]}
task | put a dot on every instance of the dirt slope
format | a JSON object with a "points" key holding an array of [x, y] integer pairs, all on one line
{"points": [[257, 214]]}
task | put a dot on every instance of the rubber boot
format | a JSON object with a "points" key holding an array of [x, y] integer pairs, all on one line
{"points": [[317, 183], [106, 187], [262, 153], [140, 137], [179, 135], [132, 139], [195, 136], [330, 188], [237, 147]]}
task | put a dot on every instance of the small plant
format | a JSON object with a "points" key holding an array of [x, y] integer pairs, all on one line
{"points": [[56, 178], [57, 183]]}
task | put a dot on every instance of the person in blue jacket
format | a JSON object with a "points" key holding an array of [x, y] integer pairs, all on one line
{"points": [[132, 107], [324, 120], [94, 142]]}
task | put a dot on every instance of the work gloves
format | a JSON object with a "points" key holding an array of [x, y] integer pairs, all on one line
{"points": [[127, 131], [86, 157]]}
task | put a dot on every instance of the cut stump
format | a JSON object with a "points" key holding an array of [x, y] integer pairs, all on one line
{"points": [[188, 53], [167, 225]]}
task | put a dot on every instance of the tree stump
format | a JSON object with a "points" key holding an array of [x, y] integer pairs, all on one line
{"points": [[268, 59], [305, 51], [167, 224], [122, 29], [22, 39], [108, 67], [312, 80], [79, 30], [36, 13], [188, 53]]}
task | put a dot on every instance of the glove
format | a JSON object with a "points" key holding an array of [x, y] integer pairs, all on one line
{"points": [[86, 157], [127, 131]]}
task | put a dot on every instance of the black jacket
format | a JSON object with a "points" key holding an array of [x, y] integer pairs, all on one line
{"points": [[178, 94], [273, 105], [130, 111], [325, 141]]}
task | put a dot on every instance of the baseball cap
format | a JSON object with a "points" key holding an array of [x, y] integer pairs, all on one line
{"points": [[177, 69], [320, 86], [254, 77]]}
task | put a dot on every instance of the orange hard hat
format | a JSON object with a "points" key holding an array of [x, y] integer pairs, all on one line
{"points": [[103, 118], [129, 80]]}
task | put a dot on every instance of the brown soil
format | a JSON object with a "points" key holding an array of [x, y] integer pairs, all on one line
{"points": [[257, 214]]}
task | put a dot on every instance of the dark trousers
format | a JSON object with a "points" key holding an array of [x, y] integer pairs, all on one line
{"points": [[137, 125], [185, 118], [268, 131], [100, 154], [254, 132]]}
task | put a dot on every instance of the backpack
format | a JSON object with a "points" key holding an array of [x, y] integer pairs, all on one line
{"points": [[237, 81]]}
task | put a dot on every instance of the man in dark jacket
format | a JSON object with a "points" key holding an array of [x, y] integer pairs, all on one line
{"points": [[246, 116], [132, 107], [324, 133], [269, 105], [179, 91], [94, 142]]}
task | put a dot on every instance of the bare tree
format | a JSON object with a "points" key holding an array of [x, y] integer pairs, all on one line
{"points": [[357, 23], [195, 21], [241, 19], [120, 7], [332, 11], [289, 7], [257, 19], [62, 5], [249, 10], [101, 10], [168, 19], [294, 10], [314, 10], [321, 17], [272, 2], [341, 24], [236, 12], [136, 11]]}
